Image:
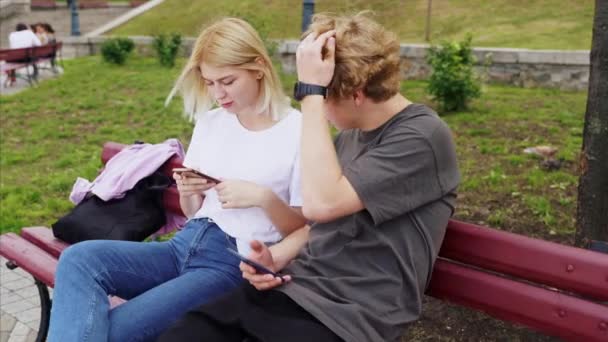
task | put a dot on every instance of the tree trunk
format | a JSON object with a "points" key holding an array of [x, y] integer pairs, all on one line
{"points": [[592, 211]]}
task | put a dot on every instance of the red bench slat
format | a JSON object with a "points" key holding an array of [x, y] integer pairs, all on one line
{"points": [[43, 4], [35, 260], [564, 267], [171, 201], [43, 50], [14, 54], [26, 255], [43, 237], [545, 310], [86, 4], [135, 3]]}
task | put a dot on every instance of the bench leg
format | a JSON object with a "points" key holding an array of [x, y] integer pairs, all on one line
{"points": [[35, 73], [45, 305], [45, 311]]}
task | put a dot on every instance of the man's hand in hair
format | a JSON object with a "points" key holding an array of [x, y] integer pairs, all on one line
{"points": [[313, 67]]}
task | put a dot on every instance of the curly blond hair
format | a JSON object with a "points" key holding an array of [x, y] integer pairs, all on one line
{"points": [[367, 56]]}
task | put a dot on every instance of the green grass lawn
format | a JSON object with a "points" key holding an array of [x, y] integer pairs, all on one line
{"points": [[53, 133], [538, 24]]}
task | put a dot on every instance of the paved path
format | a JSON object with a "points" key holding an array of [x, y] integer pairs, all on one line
{"points": [[21, 83], [19, 305]]}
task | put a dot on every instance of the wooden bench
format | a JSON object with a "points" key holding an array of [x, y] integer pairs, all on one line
{"points": [[15, 59], [43, 4], [48, 53], [555, 289], [136, 3], [89, 4], [24, 58]]}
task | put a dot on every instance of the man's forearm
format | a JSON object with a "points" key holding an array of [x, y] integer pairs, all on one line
{"points": [[321, 171], [286, 250]]}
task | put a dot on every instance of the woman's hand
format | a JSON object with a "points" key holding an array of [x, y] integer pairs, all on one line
{"points": [[312, 66], [191, 186], [262, 255], [235, 193]]}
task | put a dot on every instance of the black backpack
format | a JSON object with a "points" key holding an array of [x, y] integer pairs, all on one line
{"points": [[134, 217]]}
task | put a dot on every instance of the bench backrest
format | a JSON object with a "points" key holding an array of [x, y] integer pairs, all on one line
{"points": [[45, 50], [84, 4], [549, 287], [43, 4], [9, 55], [29, 53], [563, 267]]}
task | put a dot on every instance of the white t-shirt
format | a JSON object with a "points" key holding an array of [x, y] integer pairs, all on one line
{"points": [[222, 148], [23, 39]]}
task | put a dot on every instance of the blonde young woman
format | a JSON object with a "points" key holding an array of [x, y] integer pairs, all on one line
{"points": [[251, 143]]}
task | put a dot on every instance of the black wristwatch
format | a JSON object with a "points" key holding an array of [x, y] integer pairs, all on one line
{"points": [[301, 90]]}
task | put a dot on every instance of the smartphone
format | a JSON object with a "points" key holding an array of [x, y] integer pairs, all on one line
{"points": [[258, 267], [196, 173]]}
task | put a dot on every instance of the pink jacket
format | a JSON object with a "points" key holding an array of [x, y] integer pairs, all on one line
{"points": [[125, 169]]}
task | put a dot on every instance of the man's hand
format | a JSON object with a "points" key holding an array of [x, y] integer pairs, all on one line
{"points": [[312, 66], [191, 186], [262, 255], [236, 193]]}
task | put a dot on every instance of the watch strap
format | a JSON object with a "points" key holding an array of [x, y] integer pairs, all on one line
{"points": [[302, 89]]}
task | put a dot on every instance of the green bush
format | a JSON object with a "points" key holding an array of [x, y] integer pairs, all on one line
{"points": [[116, 50], [167, 47], [452, 82]]}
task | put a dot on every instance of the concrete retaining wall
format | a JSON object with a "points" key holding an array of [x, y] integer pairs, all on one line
{"points": [[568, 70], [8, 8]]}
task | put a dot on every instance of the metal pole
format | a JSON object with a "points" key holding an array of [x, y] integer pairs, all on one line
{"points": [[427, 33], [75, 20], [308, 9]]}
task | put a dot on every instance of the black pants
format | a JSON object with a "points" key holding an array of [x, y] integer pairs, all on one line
{"points": [[247, 314]]}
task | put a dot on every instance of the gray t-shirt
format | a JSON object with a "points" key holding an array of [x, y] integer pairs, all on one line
{"points": [[364, 275]]}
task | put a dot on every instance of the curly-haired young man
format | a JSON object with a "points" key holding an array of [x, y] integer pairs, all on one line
{"points": [[380, 195]]}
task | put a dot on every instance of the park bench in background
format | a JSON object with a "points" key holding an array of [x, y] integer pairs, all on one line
{"points": [[43, 4], [555, 289], [135, 3], [48, 53], [15, 59], [84, 4], [32, 57]]}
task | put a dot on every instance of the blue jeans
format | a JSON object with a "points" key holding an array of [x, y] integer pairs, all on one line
{"points": [[161, 280]]}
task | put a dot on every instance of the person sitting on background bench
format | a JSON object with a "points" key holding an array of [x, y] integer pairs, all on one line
{"points": [[252, 142], [45, 32], [382, 195], [22, 37], [50, 33]]}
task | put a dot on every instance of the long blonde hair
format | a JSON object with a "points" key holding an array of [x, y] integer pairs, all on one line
{"points": [[229, 42]]}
